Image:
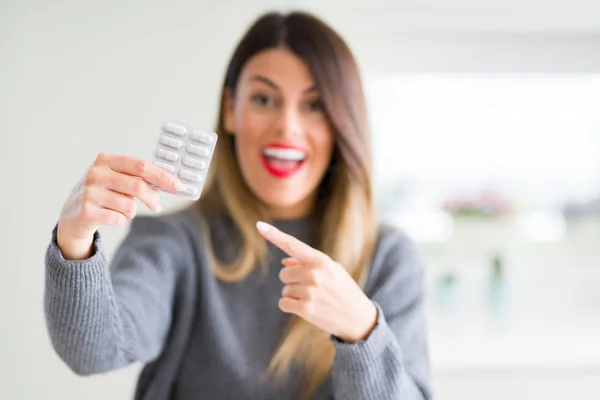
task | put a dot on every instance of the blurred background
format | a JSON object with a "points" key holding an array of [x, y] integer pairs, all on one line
{"points": [[487, 145]]}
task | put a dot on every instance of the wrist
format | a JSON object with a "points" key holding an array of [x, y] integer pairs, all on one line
{"points": [[363, 328], [74, 248]]}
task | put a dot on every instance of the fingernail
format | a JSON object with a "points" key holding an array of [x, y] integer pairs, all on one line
{"points": [[177, 185], [157, 208], [262, 227]]}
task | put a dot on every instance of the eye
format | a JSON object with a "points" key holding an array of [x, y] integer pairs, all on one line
{"points": [[315, 106], [262, 100]]}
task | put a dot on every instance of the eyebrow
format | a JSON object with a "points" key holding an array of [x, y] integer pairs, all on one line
{"points": [[272, 84]]}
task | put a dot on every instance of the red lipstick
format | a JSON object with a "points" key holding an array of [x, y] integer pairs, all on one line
{"points": [[280, 168]]}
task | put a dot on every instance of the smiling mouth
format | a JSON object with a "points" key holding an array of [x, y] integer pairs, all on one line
{"points": [[282, 160]]}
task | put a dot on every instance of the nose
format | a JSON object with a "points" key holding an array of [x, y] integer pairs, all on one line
{"points": [[289, 122]]}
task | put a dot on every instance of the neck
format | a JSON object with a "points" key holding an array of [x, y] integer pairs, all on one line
{"points": [[299, 210]]}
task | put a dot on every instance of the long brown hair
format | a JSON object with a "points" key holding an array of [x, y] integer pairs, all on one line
{"points": [[344, 208]]}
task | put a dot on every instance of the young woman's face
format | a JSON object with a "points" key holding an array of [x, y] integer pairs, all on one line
{"points": [[284, 142]]}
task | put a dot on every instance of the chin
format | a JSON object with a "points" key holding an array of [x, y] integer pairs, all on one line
{"points": [[280, 203]]}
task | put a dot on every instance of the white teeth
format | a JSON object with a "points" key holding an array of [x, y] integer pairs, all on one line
{"points": [[285, 154]]}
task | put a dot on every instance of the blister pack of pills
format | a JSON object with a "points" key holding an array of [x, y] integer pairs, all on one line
{"points": [[186, 152]]}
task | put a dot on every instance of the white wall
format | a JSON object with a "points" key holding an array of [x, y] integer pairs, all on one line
{"points": [[546, 384], [79, 78]]}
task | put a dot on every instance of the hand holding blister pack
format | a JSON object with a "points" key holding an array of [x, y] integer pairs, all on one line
{"points": [[186, 152]]}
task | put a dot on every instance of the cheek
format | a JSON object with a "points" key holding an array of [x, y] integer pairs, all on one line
{"points": [[323, 142], [251, 128], [250, 125]]}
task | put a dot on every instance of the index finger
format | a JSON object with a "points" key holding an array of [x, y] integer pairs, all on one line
{"points": [[144, 169], [289, 244]]}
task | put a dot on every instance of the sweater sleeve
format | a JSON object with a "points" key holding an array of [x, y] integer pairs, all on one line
{"points": [[393, 362], [103, 317]]}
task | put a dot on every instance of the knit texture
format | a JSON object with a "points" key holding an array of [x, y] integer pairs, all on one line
{"points": [[159, 303]]}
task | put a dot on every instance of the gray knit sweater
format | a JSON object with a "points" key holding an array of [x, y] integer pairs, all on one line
{"points": [[158, 303]]}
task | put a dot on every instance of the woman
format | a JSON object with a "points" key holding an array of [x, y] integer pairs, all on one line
{"points": [[330, 305]]}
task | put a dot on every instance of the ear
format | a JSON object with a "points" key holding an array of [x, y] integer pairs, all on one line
{"points": [[228, 112]]}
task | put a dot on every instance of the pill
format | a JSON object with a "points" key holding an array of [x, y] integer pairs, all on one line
{"points": [[204, 137], [199, 150], [189, 190], [167, 167], [190, 175], [174, 128], [186, 152], [169, 141], [193, 163], [167, 155]]}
